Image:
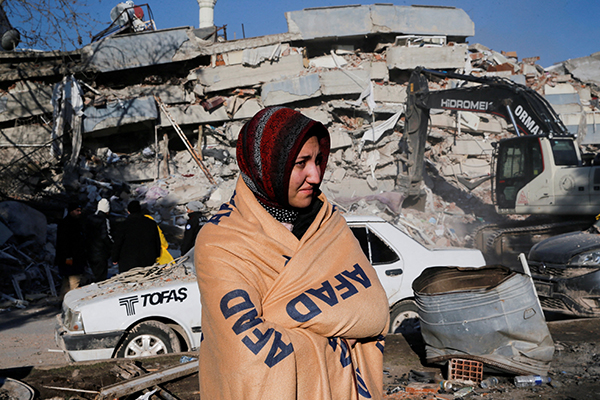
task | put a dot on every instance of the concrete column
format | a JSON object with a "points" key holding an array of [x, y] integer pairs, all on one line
{"points": [[207, 13]]}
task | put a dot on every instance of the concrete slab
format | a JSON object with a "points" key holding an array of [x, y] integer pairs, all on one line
{"points": [[355, 187], [339, 139], [247, 43], [25, 135], [291, 90], [559, 88], [236, 76], [328, 61], [344, 81], [469, 167], [26, 104], [388, 172], [119, 113], [379, 70], [141, 49], [429, 57], [389, 93], [169, 94], [196, 114], [569, 108], [585, 69], [354, 20], [472, 147], [317, 114]]}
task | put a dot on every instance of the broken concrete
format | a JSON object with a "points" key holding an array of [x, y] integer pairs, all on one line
{"points": [[344, 66], [24, 222], [434, 57], [25, 136], [32, 102], [585, 69], [233, 76], [119, 113], [142, 49], [356, 20], [291, 90]]}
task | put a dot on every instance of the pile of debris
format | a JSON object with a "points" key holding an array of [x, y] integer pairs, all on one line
{"points": [[158, 120]]}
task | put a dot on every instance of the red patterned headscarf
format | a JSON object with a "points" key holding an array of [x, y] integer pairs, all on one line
{"points": [[267, 148]]}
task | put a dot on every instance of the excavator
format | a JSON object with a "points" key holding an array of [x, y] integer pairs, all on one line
{"points": [[539, 172]]}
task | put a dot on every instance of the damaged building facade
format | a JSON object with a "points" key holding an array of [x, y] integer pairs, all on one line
{"points": [[154, 116]]}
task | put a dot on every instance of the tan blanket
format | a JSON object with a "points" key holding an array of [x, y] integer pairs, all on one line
{"points": [[275, 309]]}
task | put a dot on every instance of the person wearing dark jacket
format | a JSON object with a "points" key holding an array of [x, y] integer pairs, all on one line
{"points": [[99, 240], [137, 244], [196, 220], [70, 249]]}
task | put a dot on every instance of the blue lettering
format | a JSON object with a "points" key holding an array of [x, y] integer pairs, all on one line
{"points": [[257, 346], [216, 219], [325, 293], [344, 283], [313, 309], [380, 343], [244, 305], [359, 276], [333, 342], [246, 321], [279, 351], [362, 386], [287, 259], [345, 358], [232, 200]]}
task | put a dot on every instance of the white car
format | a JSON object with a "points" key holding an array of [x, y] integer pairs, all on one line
{"points": [[156, 310]]}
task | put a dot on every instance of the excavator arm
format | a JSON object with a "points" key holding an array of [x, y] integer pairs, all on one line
{"points": [[527, 111]]}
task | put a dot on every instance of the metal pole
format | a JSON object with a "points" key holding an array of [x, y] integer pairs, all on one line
{"points": [[185, 141], [512, 119]]}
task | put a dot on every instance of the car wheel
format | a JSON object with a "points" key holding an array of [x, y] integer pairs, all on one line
{"points": [[149, 338], [404, 318]]}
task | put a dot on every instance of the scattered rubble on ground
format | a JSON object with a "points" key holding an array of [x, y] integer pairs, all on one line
{"points": [[86, 124]]}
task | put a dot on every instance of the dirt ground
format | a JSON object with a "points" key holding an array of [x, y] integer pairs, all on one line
{"points": [[575, 370]]}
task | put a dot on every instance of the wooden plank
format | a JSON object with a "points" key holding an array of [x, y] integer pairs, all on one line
{"points": [[142, 382]]}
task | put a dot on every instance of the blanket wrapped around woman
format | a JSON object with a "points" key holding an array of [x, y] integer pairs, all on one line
{"points": [[277, 311]]}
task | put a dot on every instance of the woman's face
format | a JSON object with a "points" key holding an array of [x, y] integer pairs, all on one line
{"points": [[306, 174]]}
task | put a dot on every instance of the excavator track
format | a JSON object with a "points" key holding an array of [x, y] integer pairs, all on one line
{"points": [[502, 243]]}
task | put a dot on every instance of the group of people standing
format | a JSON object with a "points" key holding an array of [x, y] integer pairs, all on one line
{"points": [[137, 242]]}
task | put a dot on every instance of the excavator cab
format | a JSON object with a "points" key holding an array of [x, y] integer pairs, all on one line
{"points": [[517, 161]]}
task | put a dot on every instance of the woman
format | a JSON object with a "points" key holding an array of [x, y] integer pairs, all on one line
{"points": [[291, 308]]}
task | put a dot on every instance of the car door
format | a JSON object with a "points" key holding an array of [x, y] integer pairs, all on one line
{"points": [[387, 262]]}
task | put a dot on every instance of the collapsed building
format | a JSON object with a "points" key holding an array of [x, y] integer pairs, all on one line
{"points": [[154, 115]]}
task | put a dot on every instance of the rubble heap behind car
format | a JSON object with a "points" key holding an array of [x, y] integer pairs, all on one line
{"points": [[156, 310]]}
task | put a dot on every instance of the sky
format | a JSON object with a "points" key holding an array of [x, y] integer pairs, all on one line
{"points": [[554, 30]]}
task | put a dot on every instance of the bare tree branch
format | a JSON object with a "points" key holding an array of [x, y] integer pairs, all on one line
{"points": [[50, 24]]}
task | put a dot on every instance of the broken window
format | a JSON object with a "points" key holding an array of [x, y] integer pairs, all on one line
{"points": [[376, 250]]}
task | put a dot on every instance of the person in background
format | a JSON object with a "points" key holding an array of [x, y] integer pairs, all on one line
{"points": [[291, 307], [99, 240], [196, 220], [70, 249], [165, 257], [137, 243]]}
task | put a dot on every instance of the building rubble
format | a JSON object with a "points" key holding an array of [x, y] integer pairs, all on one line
{"points": [[86, 124]]}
